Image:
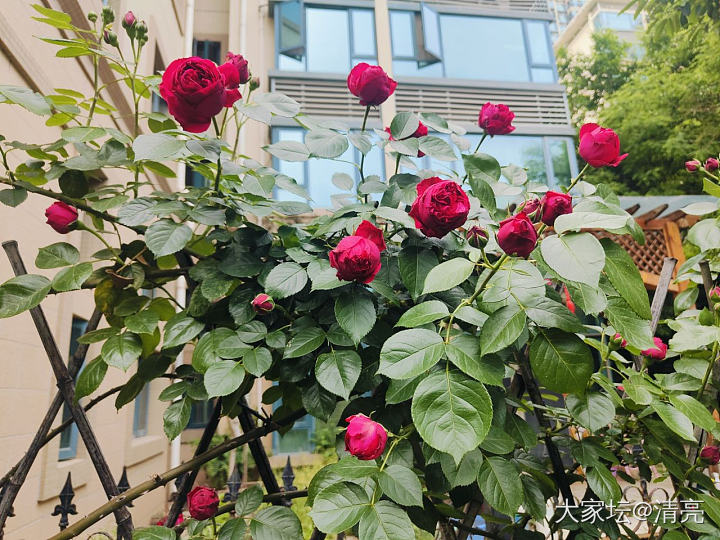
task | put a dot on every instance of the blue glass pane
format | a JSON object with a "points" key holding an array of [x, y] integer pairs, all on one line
{"points": [[431, 30], [560, 158], [320, 172], [328, 43], [290, 25], [615, 21], [69, 436], [402, 35], [140, 418], [363, 33], [290, 64], [543, 75], [507, 60], [410, 68], [538, 42]]}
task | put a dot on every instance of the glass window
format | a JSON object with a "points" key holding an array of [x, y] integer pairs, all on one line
{"points": [[69, 436], [615, 21], [538, 42], [543, 75], [328, 44], [560, 150], [200, 413], [363, 33], [403, 38], [140, 418], [298, 439], [207, 49], [290, 29], [194, 179]]}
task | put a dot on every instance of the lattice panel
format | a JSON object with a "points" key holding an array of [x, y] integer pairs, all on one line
{"points": [[648, 258]]}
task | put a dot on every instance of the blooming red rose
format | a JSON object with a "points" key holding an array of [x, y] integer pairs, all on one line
{"points": [[692, 165], [440, 207], [517, 236], [364, 438], [600, 146], [263, 303], [711, 164], [194, 90], [235, 72], [178, 521], [202, 502], [710, 455], [477, 237], [421, 131], [357, 257], [555, 204], [61, 217], [370, 83], [496, 119], [658, 352]]}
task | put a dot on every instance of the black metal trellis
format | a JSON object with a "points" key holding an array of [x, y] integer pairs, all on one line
{"points": [[233, 485], [124, 484], [66, 506], [288, 476]]}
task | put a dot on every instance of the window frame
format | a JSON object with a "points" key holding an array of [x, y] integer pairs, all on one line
{"points": [[66, 453], [141, 413]]}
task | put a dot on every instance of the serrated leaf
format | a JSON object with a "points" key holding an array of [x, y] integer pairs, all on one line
{"points": [[561, 361], [285, 280], [338, 371], [355, 313], [409, 353], [166, 237], [447, 275], [57, 255], [499, 482]]}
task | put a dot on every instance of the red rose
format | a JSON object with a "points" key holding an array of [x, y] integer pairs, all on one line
{"points": [[599, 146], [440, 207], [364, 438], [357, 257], [178, 521], [194, 90], [421, 131], [235, 72], [370, 83], [555, 204], [692, 165], [496, 119], [263, 303], [202, 502], [517, 236], [710, 455], [658, 352], [61, 217], [711, 164]]}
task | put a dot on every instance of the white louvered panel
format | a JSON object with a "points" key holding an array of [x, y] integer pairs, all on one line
{"points": [[505, 5], [322, 97]]}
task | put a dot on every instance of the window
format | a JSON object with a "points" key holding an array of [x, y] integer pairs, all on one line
{"points": [[200, 413], [615, 21], [207, 49], [321, 189], [69, 436], [298, 439], [428, 44], [140, 417], [321, 39], [194, 179]]}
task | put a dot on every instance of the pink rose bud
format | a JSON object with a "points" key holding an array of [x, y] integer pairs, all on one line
{"points": [[530, 207], [179, 520], [599, 146], [555, 204], [692, 165], [440, 207], [568, 299], [357, 257], [202, 502], [477, 237], [711, 164], [371, 84], [496, 119], [128, 20], [61, 217], [658, 352], [110, 38], [254, 83], [618, 341], [263, 303], [710, 455], [234, 72], [364, 438], [715, 294], [517, 236]]}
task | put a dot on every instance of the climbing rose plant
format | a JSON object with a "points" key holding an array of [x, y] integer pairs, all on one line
{"points": [[428, 315]]}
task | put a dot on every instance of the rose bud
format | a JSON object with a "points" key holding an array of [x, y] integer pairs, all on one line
{"points": [[477, 237], [555, 204], [254, 83], [658, 352], [194, 90], [496, 119], [92, 16], [240, 64], [440, 207], [692, 165], [710, 455], [568, 300], [202, 502], [234, 72], [128, 20], [178, 521], [530, 208], [371, 84], [364, 438], [61, 217], [599, 146], [263, 303], [110, 38], [517, 236], [141, 30], [357, 257], [108, 15], [715, 294], [711, 164], [421, 131], [617, 341]]}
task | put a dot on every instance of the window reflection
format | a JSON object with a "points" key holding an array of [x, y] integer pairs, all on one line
{"points": [[328, 50]]}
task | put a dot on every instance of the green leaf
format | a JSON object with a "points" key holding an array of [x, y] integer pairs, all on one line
{"points": [[233, 529], [695, 411], [157, 147], [13, 197], [517, 281], [326, 143], [576, 256], [550, 314], [409, 353], [561, 361], [224, 377], [625, 321], [502, 329], [180, 330], [285, 280], [625, 277], [323, 276], [535, 501], [578, 220], [144, 322], [464, 352], [415, 264], [386, 521], [451, 412], [248, 500], [423, 313], [165, 237], [257, 361], [499, 482], [137, 211], [122, 350], [339, 507], [156, 532], [483, 167], [278, 104], [404, 125], [400, 390], [72, 278], [592, 410], [26, 98], [591, 300], [176, 417], [338, 371], [674, 419], [401, 485], [464, 473], [275, 523], [57, 255], [90, 378], [604, 484], [217, 344], [289, 151], [21, 293], [447, 275], [304, 342], [355, 313]]}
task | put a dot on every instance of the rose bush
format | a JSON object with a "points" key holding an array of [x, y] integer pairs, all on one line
{"points": [[432, 317]]}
